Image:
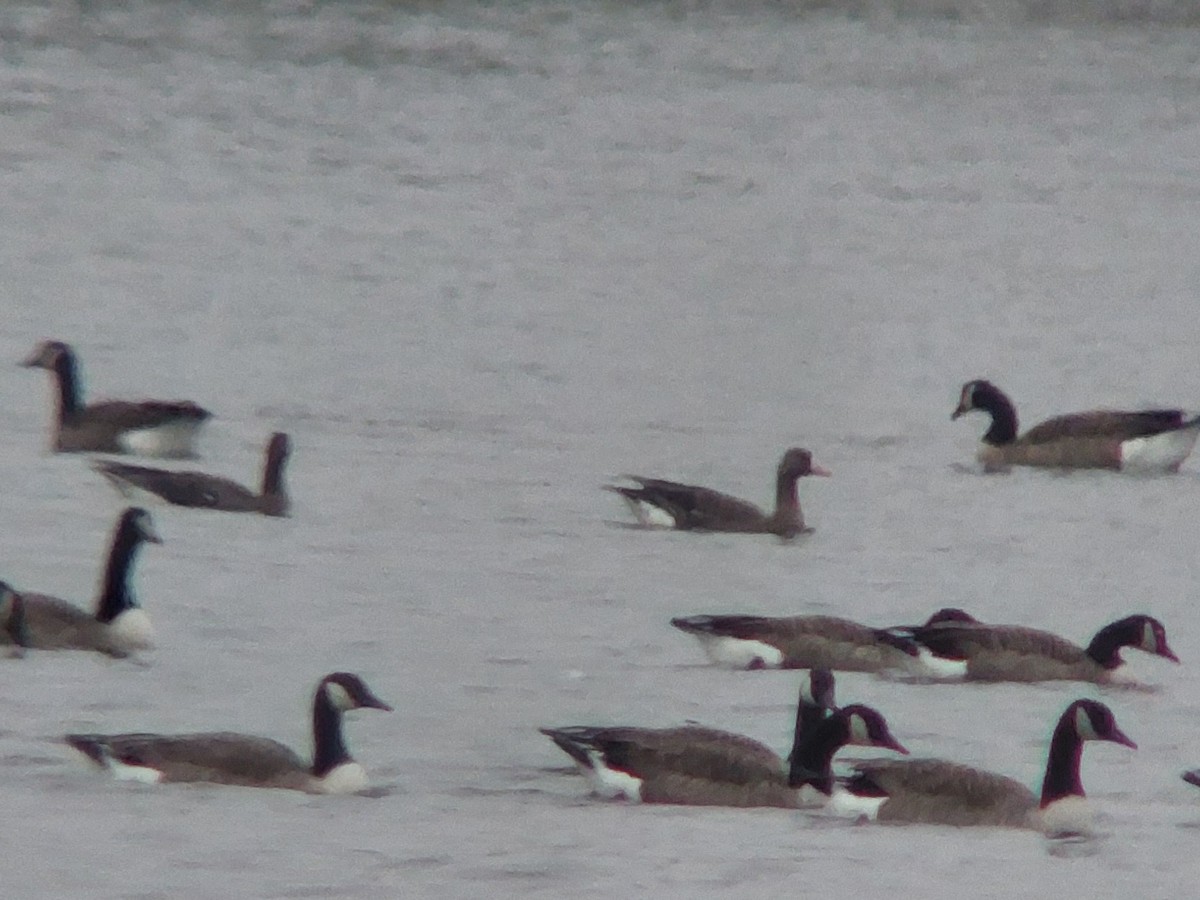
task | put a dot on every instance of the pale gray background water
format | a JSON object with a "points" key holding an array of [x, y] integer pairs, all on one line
{"points": [[479, 259]]}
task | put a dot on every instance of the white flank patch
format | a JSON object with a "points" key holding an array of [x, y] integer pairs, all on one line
{"points": [[612, 784], [1158, 453], [131, 630], [739, 653], [348, 778], [650, 515], [929, 665], [174, 439], [808, 797], [1069, 816], [141, 774], [848, 805]]}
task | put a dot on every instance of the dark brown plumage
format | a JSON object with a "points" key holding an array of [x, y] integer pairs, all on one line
{"points": [[199, 489], [688, 507]]}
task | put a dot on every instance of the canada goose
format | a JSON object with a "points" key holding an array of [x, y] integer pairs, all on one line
{"points": [[148, 427], [1017, 653], [226, 757], [937, 792], [1151, 440], [119, 625], [687, 507], [701, 766], [206, 491], [800, 642]]}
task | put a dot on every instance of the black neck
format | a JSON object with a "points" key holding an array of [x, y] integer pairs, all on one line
{"points": [[812, 761], [1062, 768], [329, 749], [272, 480], [1003, 413], [116, 595], [69, 401], [1105, 647], [808, 717]]}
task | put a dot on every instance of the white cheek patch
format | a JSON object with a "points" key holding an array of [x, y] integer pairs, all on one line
{"points": [[131, 630], [612, 784], [859, 733], [348, 778], [1083, 726], [740, 654], [339, 696], [1149, 639]]}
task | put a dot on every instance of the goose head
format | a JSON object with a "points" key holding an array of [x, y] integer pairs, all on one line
{"points": [[868, 728], [47, 355], [1093, 721], [345, 691], [798, 462]]}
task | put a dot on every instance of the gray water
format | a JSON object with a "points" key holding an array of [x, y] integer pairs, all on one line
{"points": [[479, 259]]}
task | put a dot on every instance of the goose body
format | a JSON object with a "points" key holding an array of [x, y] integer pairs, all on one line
{"points": [[198, 489], [701, 766], [148, 427], [688, 507], [799, 642], [224, 757], [1017, 653], [1151, 440], [938, 792], [118, 626]]}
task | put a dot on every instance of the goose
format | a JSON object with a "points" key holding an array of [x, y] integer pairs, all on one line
{"points": [[119, 625], [12, 613], [799, 642], [1192, 776], [148, 427], [1150, 440], [686, 507], [225, 757], [699, 766], [206, 491], [1016, 653], [934, 791]]}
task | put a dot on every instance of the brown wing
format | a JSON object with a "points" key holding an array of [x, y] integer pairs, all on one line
{"points": [[695, 507], [194, 489], [126, 415], [938, 792], [220, 757], [1105, 423], [1009, 652], [55, 624]]}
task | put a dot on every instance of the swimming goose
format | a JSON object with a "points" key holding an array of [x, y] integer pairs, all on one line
{"points": [[148, 427], [206, 491], [687, 507], [800, 642], [1151, 440], [119, 625], [934, 791], [701, 766], [225, 757], [1017, 653]]}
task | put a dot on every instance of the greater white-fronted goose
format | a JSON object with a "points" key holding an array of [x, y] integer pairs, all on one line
{"points": [[937, 792], [225, 757], [199, 489], [1016, 653], [119, 625], [148, 427], [686, 507], [802, 642], [1150, 440], [700, 766]]}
